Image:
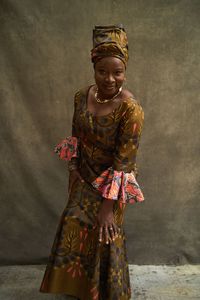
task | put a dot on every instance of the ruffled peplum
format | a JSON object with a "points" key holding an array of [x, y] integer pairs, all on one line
{"points": [[118, 185], [68, 148]]}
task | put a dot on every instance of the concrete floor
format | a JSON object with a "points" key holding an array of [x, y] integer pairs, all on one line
{"points": [[148, 282]]}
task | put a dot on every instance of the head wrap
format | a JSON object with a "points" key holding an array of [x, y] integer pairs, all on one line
{"points": [[109, 41]]}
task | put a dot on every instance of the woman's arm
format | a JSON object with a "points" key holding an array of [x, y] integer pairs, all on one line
{"points": [[73, 164], [118, 182], [69, 150]]}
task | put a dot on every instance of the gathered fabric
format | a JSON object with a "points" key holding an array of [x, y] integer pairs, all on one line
{"points": [[67, 148], [118, 185], [109, 41]]}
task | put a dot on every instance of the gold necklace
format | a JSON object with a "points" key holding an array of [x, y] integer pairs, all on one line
{"points": [[106, 100]]}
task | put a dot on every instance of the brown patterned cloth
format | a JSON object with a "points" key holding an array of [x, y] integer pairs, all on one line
{"points": [[78, 264], [109, 41]]}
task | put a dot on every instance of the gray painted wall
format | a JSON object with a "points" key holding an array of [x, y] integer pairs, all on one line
{"points": [[44, 59]]}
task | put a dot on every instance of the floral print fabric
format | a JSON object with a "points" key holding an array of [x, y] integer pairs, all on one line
{"points": [[118, 185], [105, 151], [78, 264], [67, 148], [109, 41]]}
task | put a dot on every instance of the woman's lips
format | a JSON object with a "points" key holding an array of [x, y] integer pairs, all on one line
{"points": [[109, 87]]}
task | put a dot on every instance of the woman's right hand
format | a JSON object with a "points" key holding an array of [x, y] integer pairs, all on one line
{"points": [[73, 176], [108, 230]]}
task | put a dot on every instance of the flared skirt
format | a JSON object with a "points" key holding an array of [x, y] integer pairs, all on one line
{"points": [[78, 264]]}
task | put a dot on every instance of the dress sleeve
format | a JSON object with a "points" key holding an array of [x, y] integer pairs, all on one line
{"points": [[128, 139], [119, 181], [68, 149]]}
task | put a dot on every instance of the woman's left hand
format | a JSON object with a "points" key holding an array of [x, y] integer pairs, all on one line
{"points": [[108, 230]]}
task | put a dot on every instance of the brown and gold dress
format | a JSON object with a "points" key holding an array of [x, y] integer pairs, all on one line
{"points": [[105, 149]]}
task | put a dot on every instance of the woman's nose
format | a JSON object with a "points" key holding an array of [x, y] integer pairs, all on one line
{"points": [[109, 78]]}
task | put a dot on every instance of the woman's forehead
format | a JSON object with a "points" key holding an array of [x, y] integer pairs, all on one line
{"points": [[110, 62]]}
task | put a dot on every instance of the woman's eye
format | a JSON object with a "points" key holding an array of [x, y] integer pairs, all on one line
{"points": [[102, 72], [118, 72]]}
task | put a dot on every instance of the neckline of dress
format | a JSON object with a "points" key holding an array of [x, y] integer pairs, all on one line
{"points": [[99, 116]]}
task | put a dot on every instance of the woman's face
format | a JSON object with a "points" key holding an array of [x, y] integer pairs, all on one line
{"points": [[109, 74]]}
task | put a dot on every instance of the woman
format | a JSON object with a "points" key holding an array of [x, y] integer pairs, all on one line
{"points": [[88, 258]]}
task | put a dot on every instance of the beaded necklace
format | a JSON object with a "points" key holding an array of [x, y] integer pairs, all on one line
{"points": [[102, 101]]}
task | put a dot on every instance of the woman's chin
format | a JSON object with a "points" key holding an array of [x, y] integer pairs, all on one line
{"points": [[108, 91]]}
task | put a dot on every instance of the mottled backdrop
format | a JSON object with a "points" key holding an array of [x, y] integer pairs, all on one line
{"points": [[44, 59]]}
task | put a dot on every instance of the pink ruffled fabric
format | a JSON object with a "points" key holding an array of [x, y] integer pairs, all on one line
{"points": [[118, 185], [68, 148]]}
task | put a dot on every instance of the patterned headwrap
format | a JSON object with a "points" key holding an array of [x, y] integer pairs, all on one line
{"points": [[109, 41]]}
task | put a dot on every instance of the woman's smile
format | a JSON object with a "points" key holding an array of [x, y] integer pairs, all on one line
{"points": [[109, 76], [109, 87]]}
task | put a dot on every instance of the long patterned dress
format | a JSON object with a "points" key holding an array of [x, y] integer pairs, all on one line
{"points": [[105, 148]]}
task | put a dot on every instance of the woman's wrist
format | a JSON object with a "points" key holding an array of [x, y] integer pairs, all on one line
{"points": [[108, 203], [72, 168], [73, 164]]}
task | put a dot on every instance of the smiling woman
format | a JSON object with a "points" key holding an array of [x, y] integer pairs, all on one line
{"points": [[109, 76], [88, 258]]}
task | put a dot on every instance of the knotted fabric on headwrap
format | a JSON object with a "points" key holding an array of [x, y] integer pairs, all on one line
{"points": [[109, 41]]}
